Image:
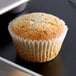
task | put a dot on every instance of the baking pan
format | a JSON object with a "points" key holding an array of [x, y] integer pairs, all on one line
{"points": [[6, 5], [8, 68]]}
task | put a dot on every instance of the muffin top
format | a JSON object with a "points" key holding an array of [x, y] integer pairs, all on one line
{"points": [[38, 26]]}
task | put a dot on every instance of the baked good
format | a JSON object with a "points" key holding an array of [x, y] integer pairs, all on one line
{"points": [[18, 73], [38, 36]]}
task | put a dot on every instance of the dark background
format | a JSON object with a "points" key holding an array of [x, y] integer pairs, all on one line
{"points": [[65, 63]]}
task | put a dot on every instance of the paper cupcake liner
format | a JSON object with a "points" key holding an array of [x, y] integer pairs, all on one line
{"points": [[37, 51]]}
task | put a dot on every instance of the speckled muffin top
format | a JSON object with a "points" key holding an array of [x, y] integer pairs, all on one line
{"points": [[38, 26]]}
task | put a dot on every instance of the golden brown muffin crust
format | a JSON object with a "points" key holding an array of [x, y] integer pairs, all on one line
{"points": [[38, 26]]}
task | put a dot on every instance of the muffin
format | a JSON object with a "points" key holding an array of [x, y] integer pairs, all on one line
{"points": [[18, 73], [37, 36]]}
